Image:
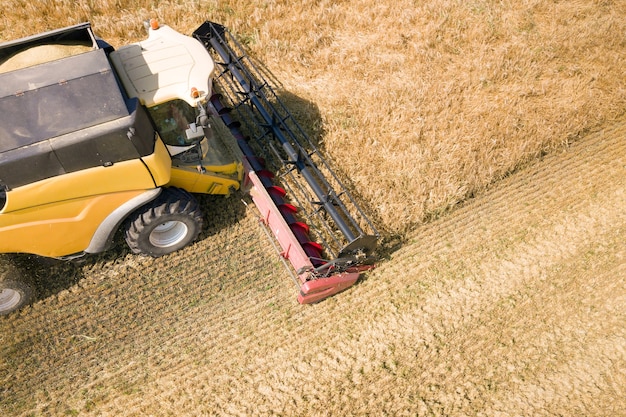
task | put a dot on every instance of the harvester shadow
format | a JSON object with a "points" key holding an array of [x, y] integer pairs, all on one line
{"points": [[46, 276], [304, 112], [220, 212]]}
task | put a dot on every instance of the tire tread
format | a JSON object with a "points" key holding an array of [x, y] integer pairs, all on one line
{"points": [[171, 201]]}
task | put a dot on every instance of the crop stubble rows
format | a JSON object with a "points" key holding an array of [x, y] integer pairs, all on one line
{"points": [[514, 304]]}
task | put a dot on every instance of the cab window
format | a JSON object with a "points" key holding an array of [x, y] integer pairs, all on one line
{"points": [[172, 119]]}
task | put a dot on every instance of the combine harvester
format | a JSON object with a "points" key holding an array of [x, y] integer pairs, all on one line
{"points": [[145, 127]]}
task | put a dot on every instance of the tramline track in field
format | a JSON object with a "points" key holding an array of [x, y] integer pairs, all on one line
{"points": [[337, 241]]}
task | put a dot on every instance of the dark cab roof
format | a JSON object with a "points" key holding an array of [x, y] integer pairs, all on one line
{"points": [[67, 114]]}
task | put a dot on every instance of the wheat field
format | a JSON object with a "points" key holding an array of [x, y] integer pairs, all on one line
{"points": [[420, 105], [486, 139]]}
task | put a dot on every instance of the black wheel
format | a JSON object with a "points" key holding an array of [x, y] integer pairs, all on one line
{"points": [[170, 222], [13, 296]]}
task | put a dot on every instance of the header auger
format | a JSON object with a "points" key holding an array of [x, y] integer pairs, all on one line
{"points": [[163, 119], [337, 240]]}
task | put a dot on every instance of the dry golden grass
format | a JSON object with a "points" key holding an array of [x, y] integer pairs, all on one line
{"points": [[420, 104]]}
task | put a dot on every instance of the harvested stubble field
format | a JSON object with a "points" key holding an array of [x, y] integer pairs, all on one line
{"points": [[512, 302]]}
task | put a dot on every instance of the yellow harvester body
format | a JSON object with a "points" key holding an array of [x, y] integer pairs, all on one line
{"points": [[88, 136]]}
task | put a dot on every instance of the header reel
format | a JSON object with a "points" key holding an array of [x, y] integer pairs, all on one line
{"points": [[330, 240]]}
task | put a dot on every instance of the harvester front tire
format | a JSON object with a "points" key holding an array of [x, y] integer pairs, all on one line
{"points": [[13, 296], [169, 223]]}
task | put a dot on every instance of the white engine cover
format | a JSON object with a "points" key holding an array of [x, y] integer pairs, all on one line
{"points": [[164, 67]]}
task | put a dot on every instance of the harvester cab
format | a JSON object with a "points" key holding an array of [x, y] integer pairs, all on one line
{"points": [[93, 139], [171, 74]]}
